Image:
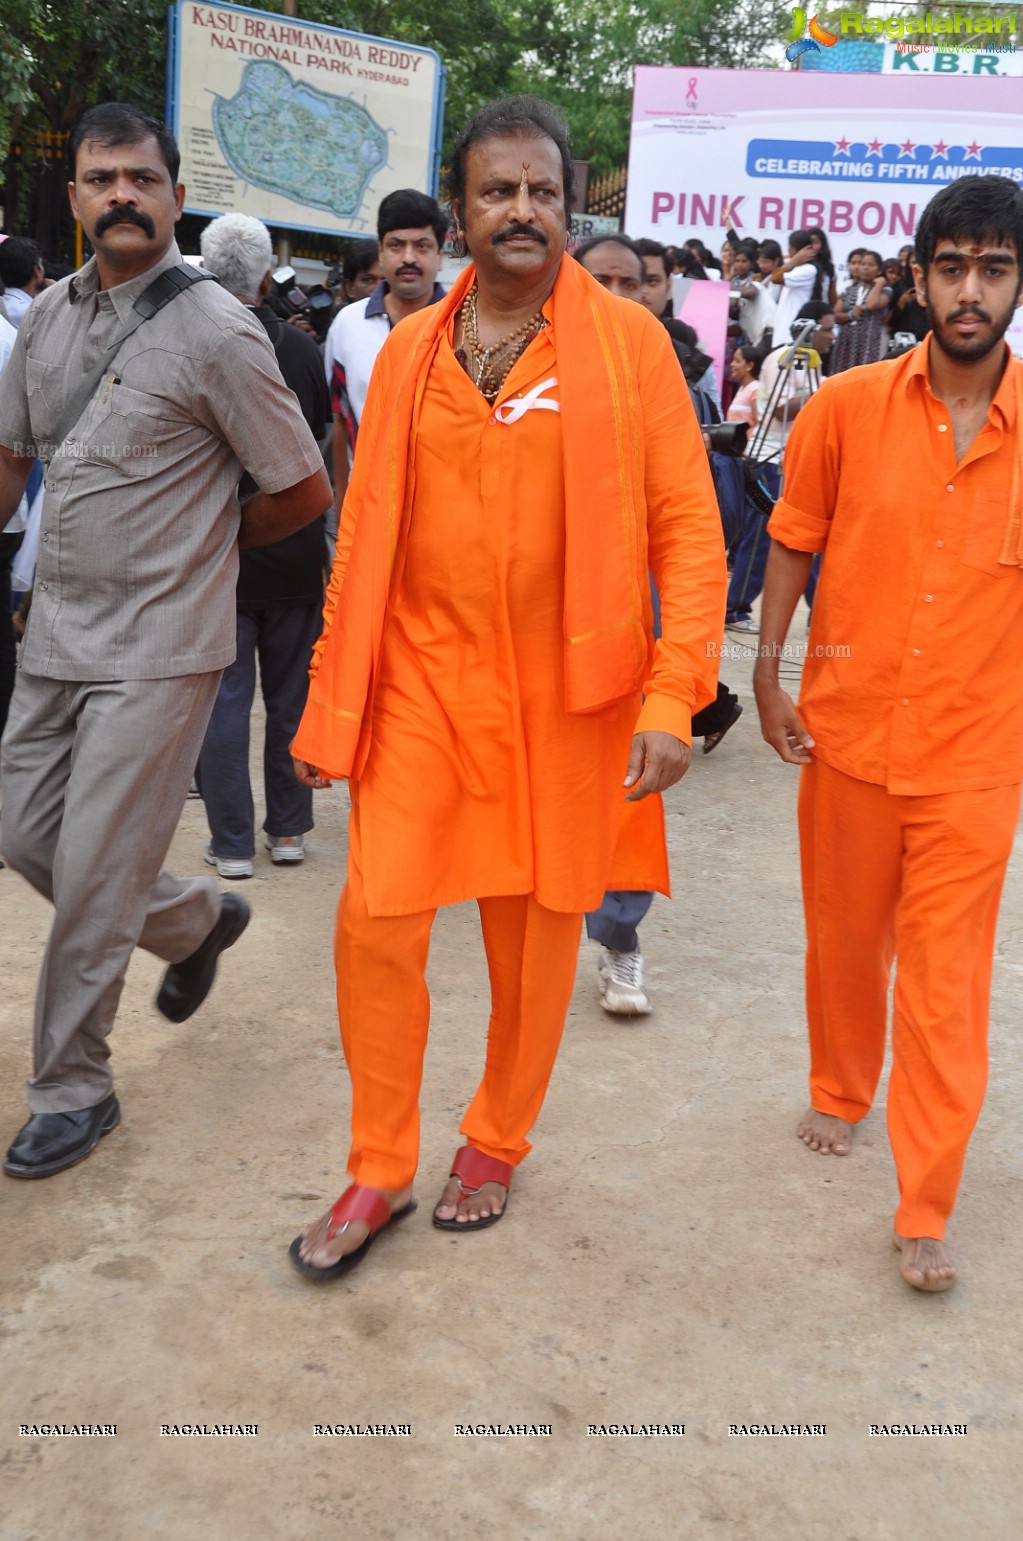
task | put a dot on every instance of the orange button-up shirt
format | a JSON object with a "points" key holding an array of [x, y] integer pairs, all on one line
{"points": [[914, 669]]}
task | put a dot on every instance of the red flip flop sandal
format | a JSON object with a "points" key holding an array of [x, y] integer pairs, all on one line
{"points": [[471, 1169], [356, 1203]]}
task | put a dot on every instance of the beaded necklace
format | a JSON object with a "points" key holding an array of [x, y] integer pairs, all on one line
{"points": [[488, 368]]}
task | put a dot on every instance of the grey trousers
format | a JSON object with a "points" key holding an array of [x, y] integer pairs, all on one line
{"points": [[95, 776]]}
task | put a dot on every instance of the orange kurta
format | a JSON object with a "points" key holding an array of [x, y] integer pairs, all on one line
{"points": [[475, 779], [469, 718]]}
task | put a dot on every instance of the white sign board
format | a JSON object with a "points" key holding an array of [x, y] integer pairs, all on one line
{"points": [[859, 155], [304, 126]]}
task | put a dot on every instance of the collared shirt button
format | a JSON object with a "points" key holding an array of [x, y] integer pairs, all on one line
{"points": [[916, 652], [928, 598], [45, 536], [950, 487], [942, 427], [940, 542], [905, 700], [44, 587]]}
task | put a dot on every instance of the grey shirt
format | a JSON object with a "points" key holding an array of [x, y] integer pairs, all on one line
{"points": [[138, 543]]}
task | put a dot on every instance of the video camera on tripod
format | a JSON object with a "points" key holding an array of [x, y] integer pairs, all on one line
{"points": [[803, 359]]}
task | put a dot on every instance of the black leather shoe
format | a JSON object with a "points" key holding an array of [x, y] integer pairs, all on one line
{"points": [[49, 1142], [187, 984], [712, 740]]}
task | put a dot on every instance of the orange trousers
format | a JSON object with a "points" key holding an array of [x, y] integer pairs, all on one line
{"points": [[917, 880], [384, 1012]]}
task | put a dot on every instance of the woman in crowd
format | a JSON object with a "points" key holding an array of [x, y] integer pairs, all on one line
{"points": [[688, 264], [907, 314], [860, 314], [824, 263], [769, 260], [892, 271], [744, 370], [705, 257]]}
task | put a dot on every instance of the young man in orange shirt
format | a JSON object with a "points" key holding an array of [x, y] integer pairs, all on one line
{"points": [[910, 720]]}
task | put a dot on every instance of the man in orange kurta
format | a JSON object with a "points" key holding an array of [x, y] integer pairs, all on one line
{"points": [[486, 653], [910, 724]]}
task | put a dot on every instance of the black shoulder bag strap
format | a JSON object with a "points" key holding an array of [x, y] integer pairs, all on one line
{"points": [[166, 287]]}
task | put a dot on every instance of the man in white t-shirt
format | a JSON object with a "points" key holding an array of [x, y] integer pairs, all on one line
{"points": [[794, 283], [410, 228]]}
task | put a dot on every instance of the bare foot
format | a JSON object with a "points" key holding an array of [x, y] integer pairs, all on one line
{"points": [[490, 1200], [925, 1263], [321, 1251], [824, 1133]]}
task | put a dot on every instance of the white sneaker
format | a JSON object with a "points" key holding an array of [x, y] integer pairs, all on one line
{"points": [[745, 624], [285, 848], [620, 977], [229, 866]]}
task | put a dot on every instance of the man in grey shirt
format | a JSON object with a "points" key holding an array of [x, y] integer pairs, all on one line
{"points": [[132, 619]]}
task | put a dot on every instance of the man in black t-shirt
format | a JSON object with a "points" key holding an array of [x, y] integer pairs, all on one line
{"points": [[279, 599]]}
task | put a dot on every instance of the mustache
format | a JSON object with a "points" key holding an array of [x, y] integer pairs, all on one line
{"points": [[526, 230], [125, 216], [968, 310], [409, 268]]}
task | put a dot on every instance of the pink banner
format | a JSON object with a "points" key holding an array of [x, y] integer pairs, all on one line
{"points": [[703, 303], [777, 150]]}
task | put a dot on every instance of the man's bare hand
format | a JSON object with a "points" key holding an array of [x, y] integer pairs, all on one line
{"points": [[310, 777], [780, 724], [656, 762]]}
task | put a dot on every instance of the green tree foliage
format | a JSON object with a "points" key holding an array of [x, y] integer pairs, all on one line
{"points": [[603, 39], [578, 53], [58, 56]]}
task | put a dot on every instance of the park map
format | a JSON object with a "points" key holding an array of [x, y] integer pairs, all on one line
{"points": [[288, 138]]}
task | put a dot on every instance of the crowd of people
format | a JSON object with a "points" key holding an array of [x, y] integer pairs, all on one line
{"points": [[519, 676]]}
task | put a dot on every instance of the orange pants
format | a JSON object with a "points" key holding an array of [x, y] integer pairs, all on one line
{"points": [[384, 1011], [917, 879]]}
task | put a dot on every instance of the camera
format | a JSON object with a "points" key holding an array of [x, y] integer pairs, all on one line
{"points": [[315, 305], [726, 438], [900, 343]]}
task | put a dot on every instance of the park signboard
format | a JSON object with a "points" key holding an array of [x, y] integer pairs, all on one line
{"points": [[304, 126]]}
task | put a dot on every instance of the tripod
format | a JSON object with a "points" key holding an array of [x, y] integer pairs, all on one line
{"points": [[799, 356], [763, 481]]}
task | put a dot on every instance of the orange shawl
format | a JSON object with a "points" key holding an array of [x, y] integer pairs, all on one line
{"points": [[607, 626]]}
